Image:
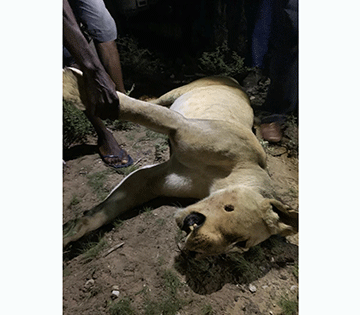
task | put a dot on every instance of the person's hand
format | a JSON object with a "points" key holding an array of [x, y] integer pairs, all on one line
{"points": [[102, 99]]}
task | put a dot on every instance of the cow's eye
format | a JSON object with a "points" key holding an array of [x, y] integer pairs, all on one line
{"points": [[229, 208]]}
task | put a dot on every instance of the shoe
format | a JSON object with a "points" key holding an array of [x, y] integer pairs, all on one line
{"points": [[271, 132], [120, 156]]}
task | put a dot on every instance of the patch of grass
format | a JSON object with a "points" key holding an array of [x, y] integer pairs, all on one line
{"points": [[160, 221], [255, 254], [151, 135], [69, 228], [121, 307], [289, 306], [166, 306], [127, 170], [160, 141], [144, 290], [119, 124], [75, 200], [207, 310], [130, 137], [230, 268], [180, 235], [137, 60], [76, 126], [118, 223], [92, 249], [160, 147], [147, 210], [222, 61], [96, 182], [276, 247], [169, 303], [246, 268], [172, 281]]}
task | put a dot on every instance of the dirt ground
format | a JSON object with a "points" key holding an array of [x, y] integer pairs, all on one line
{"points": [[146, 273]]}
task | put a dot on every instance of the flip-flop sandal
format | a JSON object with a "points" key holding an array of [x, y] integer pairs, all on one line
{"points": [[130, 161]]}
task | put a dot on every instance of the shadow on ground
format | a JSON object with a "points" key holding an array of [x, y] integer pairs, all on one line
{"points": [[211, 274], [78, 151]]}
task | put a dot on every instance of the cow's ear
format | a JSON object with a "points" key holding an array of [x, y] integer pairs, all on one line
{"points": [[73, 88], [279, 218]]}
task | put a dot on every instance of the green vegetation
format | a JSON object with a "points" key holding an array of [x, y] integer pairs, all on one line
{"points": [[246, 267], [96, 182], [180, 235], [136, 60], [75, 200], [160, 221], [289, 306], [167, 306], [91, 250], [121, 307], [276, 245], [160, 147], [118, 223], [170, 303], [222, 61], [207, 310], [233, 267], [152, 135], [172, 282], [160, 140], [127, 170], [146, 210], [68, 228], [76, 127], [119, 124]]}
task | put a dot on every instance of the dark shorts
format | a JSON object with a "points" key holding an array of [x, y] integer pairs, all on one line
{"points": [[96, 18]]}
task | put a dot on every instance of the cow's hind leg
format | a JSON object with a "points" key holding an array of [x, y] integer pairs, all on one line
{"points": [[139, 187]]}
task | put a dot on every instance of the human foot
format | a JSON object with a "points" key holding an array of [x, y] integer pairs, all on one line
{"points": [[111, 153]]}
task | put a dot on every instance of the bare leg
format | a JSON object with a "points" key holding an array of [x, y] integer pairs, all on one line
{"points": [[109, 149], [110, 59]]}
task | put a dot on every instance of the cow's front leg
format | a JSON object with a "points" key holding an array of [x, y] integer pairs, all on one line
{"points": [[139, 187]]}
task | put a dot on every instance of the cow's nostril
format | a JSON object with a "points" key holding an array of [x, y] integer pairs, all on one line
{"points": [[191, 219], [229, 208]]}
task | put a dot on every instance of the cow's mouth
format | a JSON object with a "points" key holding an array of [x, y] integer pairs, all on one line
{"points": [[192, 221]]}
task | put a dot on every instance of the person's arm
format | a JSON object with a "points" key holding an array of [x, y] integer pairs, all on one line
{"points": [[101, 94]]}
